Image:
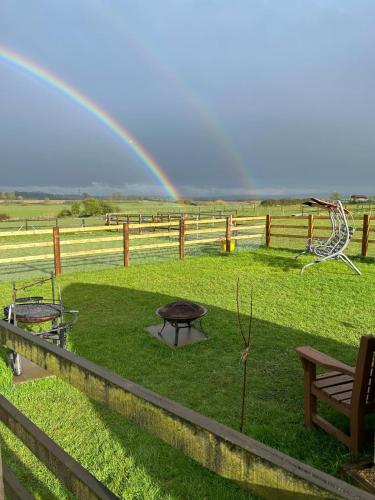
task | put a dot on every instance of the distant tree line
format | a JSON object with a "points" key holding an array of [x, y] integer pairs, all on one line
{"points": [[283, 201], [88, 208]]}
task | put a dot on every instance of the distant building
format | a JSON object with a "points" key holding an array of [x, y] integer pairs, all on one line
{"points": [[359, 198]]}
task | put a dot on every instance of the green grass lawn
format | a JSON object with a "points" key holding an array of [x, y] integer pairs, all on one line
{"points": [[328, 308]]}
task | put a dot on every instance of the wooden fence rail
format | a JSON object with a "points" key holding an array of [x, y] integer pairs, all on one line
{"points": [[76, 478]]}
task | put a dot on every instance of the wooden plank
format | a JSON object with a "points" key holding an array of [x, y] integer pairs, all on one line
{"points": [[31, 232], [88, 229], [17, 246], [295, 217], [76, 478], [248, 236], [199, 241], [202, 240], [83, 241], [83, 253], [26, 258], [249, 228], [154, 245], [14, 489], [207, 221], [290, 226], [328, 427], [205, 231], [114, 238], [239, 219], [164, 234], [276, 235]]}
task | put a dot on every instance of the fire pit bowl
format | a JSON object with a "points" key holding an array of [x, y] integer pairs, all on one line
{"points": [[181, 312], [33, 312], [176, 316]]}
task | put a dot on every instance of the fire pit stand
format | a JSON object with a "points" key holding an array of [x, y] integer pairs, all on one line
{"points": [[180, 316], [49, 315]]}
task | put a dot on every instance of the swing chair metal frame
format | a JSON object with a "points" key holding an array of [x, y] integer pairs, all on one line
{"points": [[343, 228]]}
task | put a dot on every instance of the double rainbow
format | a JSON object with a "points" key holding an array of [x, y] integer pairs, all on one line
{"points": [[98, 113]]}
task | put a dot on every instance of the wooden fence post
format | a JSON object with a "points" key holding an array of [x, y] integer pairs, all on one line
{"points": [[310, 229], [182, 238], [125, 235], [56, 251], [228, 233], [365, 234], [268, 230]]}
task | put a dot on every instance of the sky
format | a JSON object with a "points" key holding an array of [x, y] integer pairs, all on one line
{"points": [[230, 98]]}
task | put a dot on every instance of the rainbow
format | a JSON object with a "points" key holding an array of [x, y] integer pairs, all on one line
{"points": [[92, 108]]}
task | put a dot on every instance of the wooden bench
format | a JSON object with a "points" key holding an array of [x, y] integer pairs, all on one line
{"points": [[349, 390]]}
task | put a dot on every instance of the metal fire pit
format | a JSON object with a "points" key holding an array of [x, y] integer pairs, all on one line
{"points": [[33, 312], [180, 315]]}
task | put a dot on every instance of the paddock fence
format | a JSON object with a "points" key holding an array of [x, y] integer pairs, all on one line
{"points": [[129, 240], [291, 228]]}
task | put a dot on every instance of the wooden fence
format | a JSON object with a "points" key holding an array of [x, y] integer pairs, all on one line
{"points": [[180, 234], [75, 478], [263, 470], [312, 227]]}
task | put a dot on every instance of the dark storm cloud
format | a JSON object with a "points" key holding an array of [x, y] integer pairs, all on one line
{"points": [[290, 83]]}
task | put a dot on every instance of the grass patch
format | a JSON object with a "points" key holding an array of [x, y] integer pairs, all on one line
{"points": [[328, 308]]}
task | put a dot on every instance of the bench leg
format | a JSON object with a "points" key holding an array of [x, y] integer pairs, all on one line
{"points": [[310, 399], [357, 431]]}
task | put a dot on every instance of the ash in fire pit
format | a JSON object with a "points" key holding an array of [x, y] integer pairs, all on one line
{"points": [[177, 329]]}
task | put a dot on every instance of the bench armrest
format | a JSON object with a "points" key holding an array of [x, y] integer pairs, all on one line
{"points": [[319, 358]]}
